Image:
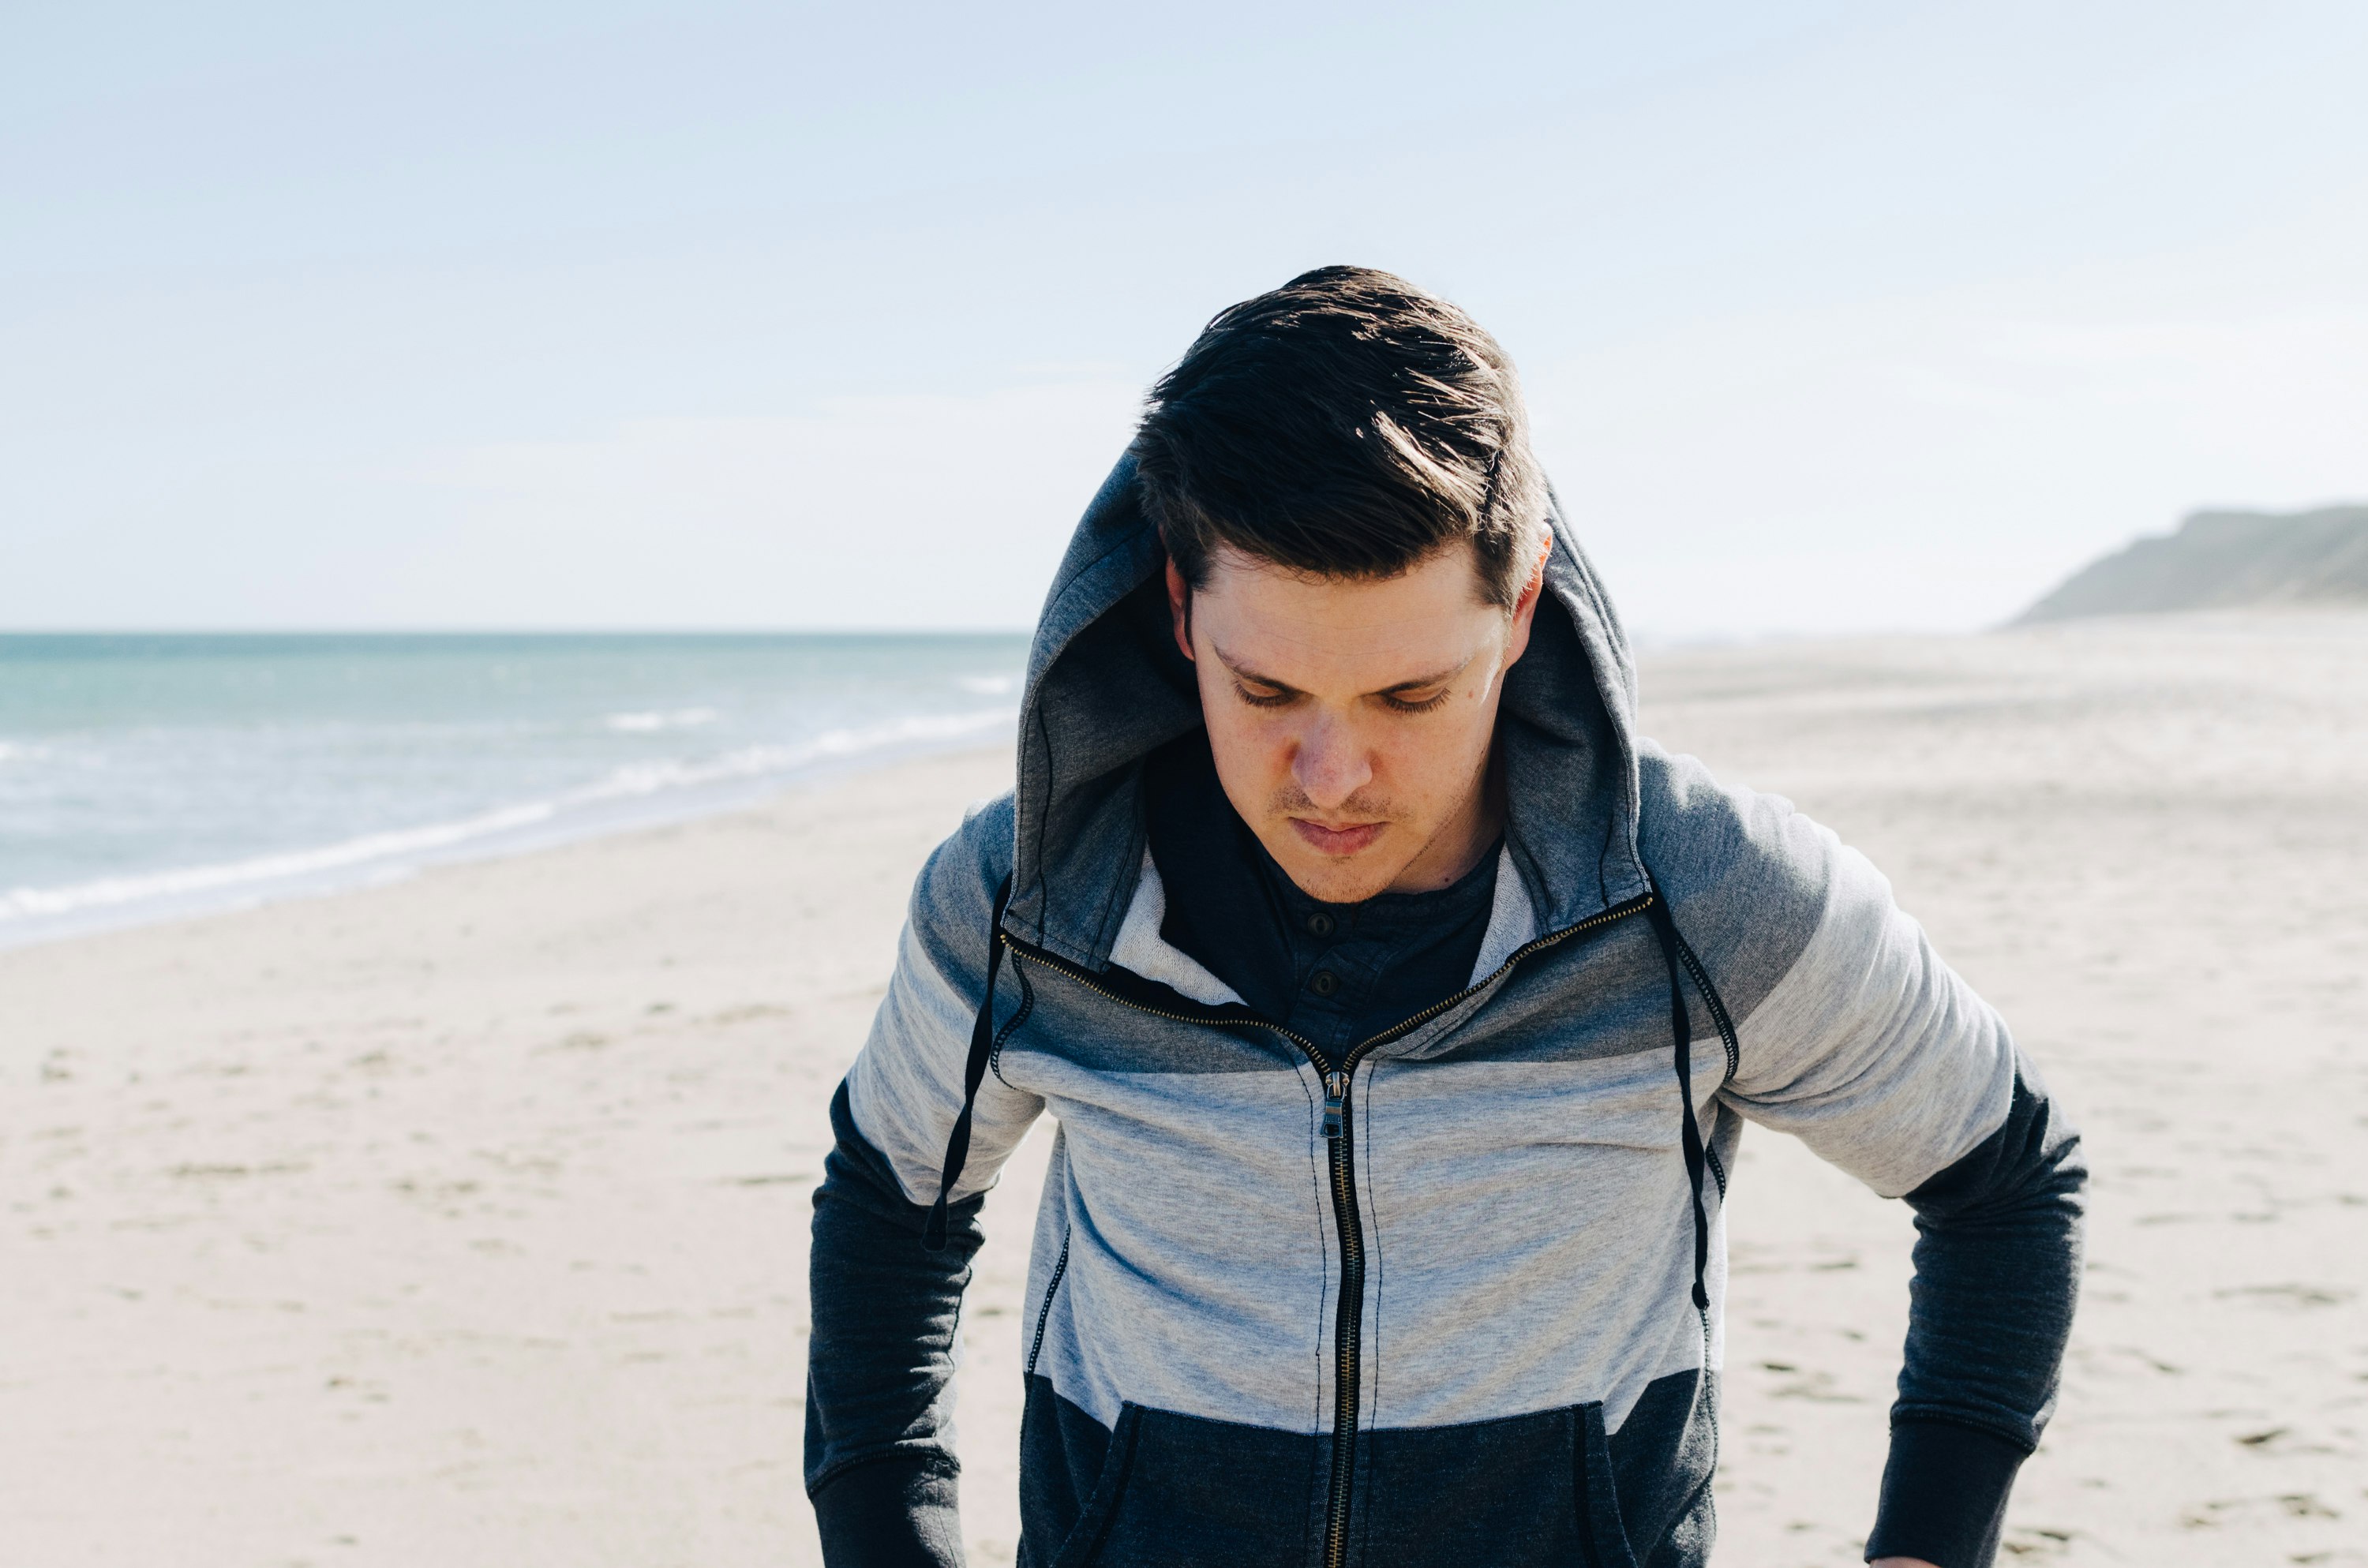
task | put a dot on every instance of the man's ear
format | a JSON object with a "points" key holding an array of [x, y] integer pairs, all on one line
{"points": [[1525, 608], [1179, 607]]}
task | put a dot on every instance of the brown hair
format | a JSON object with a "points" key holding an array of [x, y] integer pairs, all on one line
{"points": [[1346, 424]]}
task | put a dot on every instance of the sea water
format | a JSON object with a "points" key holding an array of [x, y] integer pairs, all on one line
{"points": [[152, 777]]}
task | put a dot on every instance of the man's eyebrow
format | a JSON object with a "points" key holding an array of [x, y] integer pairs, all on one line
{"points": [[1241, 671], [1440, 678]]}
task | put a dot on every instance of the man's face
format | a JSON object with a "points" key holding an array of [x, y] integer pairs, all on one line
{"points": [[1351, 719]]}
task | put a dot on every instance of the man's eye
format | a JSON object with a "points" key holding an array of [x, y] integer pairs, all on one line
{"points": [[1262, 698], [1403, 704]]}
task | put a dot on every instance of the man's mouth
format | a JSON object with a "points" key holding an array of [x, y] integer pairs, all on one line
{"points": [[1345, 839]]}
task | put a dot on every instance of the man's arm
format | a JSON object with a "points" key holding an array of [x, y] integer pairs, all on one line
{"points": [[879, 1464], [1883, 1060], [1998, 1273]]}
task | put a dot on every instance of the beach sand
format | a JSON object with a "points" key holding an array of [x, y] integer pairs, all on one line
{"points": [[462, 1222]]}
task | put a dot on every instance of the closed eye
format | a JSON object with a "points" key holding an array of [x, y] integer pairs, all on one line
{"points": [[1398, 703], [1263, 699]]}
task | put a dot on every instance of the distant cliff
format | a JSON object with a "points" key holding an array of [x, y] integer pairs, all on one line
{"points": [[2222, 561]]}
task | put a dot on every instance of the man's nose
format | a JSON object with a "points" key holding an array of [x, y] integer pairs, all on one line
{"points": [[1331, 764]]}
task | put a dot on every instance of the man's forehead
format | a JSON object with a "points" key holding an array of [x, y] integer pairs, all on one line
{"points": [[1376, 633]]}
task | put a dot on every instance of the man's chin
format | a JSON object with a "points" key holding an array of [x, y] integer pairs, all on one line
{"points": [[1337, 879]]}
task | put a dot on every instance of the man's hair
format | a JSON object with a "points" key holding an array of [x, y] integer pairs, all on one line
{"points": [[1346, 424]]}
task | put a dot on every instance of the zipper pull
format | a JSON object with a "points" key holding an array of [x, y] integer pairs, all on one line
{"points": [[1335, 1089]]}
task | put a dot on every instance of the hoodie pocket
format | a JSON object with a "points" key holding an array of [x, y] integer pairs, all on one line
{"points": [[1599, 1493], [1183, 1491], [1500, 1492], [1101, 1503]]}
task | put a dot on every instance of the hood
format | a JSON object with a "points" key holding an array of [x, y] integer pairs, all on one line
{"points": [[1106, 685]]}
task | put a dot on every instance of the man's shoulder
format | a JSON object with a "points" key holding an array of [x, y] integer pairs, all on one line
{"points": [[954, 897], [1747, 876], [1696, 828]]}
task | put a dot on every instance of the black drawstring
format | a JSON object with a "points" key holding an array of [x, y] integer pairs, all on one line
{"points": [[982, 1049], [1682, 1025]]}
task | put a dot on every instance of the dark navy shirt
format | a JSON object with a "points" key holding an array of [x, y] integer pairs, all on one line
{"points": [[1336, 974]]}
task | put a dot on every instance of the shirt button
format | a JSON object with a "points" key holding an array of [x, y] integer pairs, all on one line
{"points": [[1324, 983], [1319, 924]]}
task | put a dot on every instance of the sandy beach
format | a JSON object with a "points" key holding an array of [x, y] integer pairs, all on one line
{"points": [[463, 1220]]}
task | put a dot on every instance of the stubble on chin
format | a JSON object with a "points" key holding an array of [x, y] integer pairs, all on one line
{"points": [[1338, 878], [1334, 883]]}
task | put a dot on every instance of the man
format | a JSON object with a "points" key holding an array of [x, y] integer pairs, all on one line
{"points": [[1400, 1008]]}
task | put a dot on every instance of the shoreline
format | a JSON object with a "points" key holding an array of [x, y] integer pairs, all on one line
{"points": [[131, 901]]}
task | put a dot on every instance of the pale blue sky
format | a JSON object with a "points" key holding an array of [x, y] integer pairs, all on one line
{"points": [[1834, 316]]}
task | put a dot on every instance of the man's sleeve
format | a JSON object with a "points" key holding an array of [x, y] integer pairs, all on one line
{"points": [[879, 1464], [1884, 1062]]}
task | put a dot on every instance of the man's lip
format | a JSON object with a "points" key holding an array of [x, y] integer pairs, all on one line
{"points": [[1344, 840]]}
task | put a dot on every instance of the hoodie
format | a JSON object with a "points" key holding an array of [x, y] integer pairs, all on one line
{"points": [[1453, 1294]]}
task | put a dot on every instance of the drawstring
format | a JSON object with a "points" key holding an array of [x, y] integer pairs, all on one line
{"points": [[982, 1049], [1675, 952]]}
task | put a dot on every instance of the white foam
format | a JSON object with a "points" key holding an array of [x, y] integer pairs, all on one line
{"points": [[391, 853], [20, 903], [655, 720], [754, 762], [988, 686]]}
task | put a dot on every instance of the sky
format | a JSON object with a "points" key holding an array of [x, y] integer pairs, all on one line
{"points": [[1833, 317]]}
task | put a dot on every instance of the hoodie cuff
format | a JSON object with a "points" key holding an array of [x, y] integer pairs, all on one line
{"points": [[1944, 1492], [893, 1512]]}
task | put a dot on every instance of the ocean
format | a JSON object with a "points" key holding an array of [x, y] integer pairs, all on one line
{"points": [[152, 777]]}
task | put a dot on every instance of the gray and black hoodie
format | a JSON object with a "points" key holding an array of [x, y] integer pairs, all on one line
{"points": [[1453, 1295]]}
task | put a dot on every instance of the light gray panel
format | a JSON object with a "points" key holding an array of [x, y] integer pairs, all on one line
{"points": [[1201, 1263], [1532, 1230]]}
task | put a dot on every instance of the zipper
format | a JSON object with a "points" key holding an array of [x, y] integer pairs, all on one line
{"points": [[1335, 1092], [1045, 1316], [1348, 1389], [1348, 1319]]}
